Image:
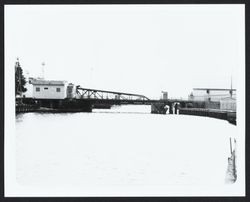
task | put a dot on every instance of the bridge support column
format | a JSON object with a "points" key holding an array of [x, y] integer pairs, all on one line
{"points": [[158, 108], [171, 108]]}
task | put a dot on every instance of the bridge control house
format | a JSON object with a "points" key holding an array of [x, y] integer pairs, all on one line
{"points": [[49, 89]]}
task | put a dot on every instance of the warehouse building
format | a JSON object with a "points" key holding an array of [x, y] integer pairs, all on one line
{"points": [[228, 104], [223, 99], [211, 94]]}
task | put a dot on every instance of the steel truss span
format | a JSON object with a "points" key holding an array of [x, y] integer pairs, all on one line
{"points": [[87, 93]]}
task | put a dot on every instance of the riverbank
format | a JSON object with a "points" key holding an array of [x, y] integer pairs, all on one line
{"points": [[213, 113]]}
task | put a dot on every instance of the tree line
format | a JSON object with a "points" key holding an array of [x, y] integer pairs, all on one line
{"points": [[20, 80]]}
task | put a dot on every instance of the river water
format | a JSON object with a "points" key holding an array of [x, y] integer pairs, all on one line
{"points": [[123, 146]]}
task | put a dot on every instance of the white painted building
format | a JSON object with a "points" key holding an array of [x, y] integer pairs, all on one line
{"points": [[49, 89]]}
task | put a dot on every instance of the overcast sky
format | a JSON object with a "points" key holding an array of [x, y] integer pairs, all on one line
{"points": [[142, 49]]}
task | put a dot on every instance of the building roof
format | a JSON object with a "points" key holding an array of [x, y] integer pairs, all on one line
{"points": [[47, 82], [228, 98], [215, 89]]}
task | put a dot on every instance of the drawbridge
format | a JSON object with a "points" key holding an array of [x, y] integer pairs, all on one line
{"points": [[87, 93]]}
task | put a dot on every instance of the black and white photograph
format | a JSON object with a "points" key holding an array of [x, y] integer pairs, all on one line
{"points": [[124, 100]]}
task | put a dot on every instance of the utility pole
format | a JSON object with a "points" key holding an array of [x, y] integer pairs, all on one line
{"points": [[231, 90]]}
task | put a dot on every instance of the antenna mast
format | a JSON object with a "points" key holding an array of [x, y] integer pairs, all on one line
{"points": [[43, 64], [231, 90]]}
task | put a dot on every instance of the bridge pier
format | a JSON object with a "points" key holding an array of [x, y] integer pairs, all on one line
{"points": [[66, 105], [170, 108], [158, 108], [77, 105]]}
